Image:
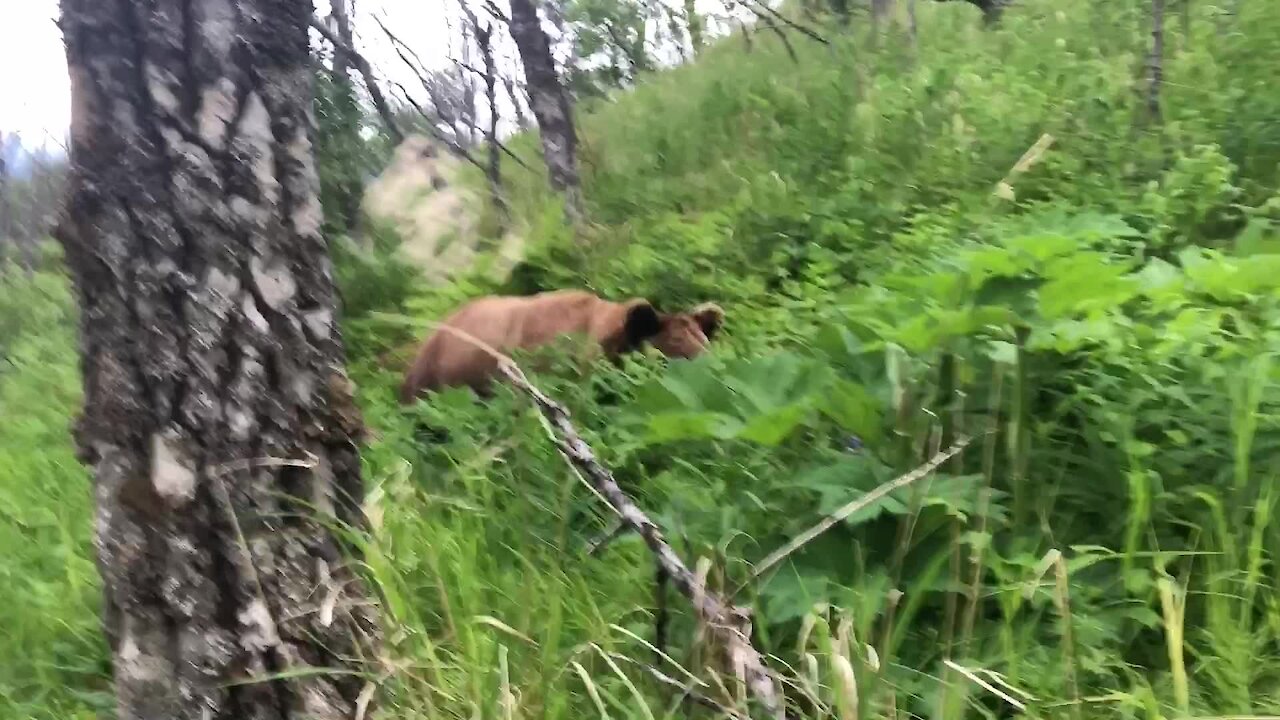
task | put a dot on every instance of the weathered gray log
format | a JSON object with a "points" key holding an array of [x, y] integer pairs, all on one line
{"points": [[218, 419]]}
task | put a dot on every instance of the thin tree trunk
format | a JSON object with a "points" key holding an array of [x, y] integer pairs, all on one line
{"points": [[991, 9], [341, 15], [339, 142], [493, 168], [214, 383], [1185, 16], [7, 238], [1155, 62], [551, 106], [694, 25], [370, 81], [879, 13]]}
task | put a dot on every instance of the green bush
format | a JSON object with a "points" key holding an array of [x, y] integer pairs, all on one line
{"points": [[1104, 334]]}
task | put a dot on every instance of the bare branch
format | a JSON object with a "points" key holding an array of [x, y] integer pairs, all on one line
{"points": [[786, 43], [807, 32], [362, 65], [1155, 60], [726, 622], [453, 146], [828, 522], [493, 10]]}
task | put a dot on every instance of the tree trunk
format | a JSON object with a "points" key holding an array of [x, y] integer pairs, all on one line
{"points": [[913, 30], [694, 24], [338, 139], [215, 392], [1185, 16], [7, 238], [879, 13], [493, 167], [1155, 62], [550, 104], [991, 9], [340, 12]]}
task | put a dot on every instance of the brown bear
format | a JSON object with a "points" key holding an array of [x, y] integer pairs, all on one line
{"points": [[505, 323]]}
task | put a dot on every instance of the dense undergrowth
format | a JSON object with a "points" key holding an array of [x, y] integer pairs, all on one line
{"points": [[1103, 329]]}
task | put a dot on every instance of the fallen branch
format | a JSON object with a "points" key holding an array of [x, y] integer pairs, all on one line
{"points": [[829, 521], [724, 621], [366, 71]]}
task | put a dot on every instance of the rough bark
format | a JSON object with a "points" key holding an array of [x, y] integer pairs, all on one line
{"points": [[218, 419], [551, 105]]}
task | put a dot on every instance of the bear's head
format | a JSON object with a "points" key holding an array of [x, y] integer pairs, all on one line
{"points": [[683, 335]]}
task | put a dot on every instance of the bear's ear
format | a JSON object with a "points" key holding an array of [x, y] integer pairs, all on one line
{"points": [[642, 322], [709, 317]]}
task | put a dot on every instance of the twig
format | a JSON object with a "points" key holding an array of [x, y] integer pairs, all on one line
{"points": [[415, 64], [805, 537], [811, 34], [454, 147], [985, 685], [723, 619], [493, 10], [786, 43], [375, 93], [686, 688], [602, 540]]}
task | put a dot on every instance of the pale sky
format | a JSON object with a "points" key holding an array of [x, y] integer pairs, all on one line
{"points": [[33, 78]]}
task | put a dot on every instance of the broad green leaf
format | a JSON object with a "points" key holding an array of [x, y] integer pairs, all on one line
{"points": [[853, 409], [772, 428]]}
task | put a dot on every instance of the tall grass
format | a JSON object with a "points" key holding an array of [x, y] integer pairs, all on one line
{"points": [[1106, 546]]}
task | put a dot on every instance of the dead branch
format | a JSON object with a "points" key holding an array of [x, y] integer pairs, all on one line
{"points": [[454, 147], [414, 63], [786, 43], [765, 10], [724, 621], [492, 8], [826, 523], [366, 71], [602, 540]]}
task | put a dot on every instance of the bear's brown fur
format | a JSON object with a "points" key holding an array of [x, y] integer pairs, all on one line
{"points": [[505, 323]]}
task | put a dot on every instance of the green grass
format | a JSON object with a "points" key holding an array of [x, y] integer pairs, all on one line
{"points": [[1105, 547]]}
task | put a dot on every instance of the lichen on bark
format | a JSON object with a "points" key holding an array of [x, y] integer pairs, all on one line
{"points": [[215, 389]]}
